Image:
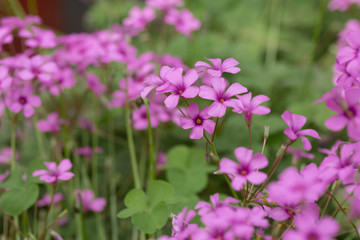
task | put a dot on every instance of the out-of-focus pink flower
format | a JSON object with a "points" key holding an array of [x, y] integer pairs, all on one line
{"points": [[295, 123], [46, 199], [86, 124], [87, 151], [309, 226], [198, 121], [164, 4], [4, 176], [139, 18], [298, 154], [38, 38], [183, 20], [341, 5], [154, 81], [51, 124], [88, 201], [181, 221], [5, 155], [95, 85], [22, 99], [246, 170], [205, 207], [220, 95], [219, 67], [55, 173]]}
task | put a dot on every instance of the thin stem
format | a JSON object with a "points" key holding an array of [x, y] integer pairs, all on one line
{"points": [[249, 131], [17, 8], [130, 139], [94, 157], [43, 234], [151, 142], [39, 139], [113, 207], [341, 209], [13, 224], [328, 200], [213, 135]]}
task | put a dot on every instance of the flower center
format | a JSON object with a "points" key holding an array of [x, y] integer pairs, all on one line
{"points": [[222, 100], [198, 121], [244, 172], [22, 100], [180, 91]]}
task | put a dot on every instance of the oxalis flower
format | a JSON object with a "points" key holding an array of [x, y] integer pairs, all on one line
{"points": [[198, 121], [295, 123], [180, 86], [219, 67], [247, 170], [220, 95], [55, 173], [88, 201]]}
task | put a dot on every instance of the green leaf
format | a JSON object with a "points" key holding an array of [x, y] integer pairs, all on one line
{"points": [[14, 180], [159, 191], [18, 200], [149, 222], [136, 198], [128, 212]]}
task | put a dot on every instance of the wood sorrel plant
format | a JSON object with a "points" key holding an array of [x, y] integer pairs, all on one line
{"points": [[98, 107]]}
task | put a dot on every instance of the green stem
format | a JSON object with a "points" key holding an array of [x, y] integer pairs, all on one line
{"points": [[94, 158], [113, 207], [151, 142], [17, 8], [39, 139], [130, 139]]}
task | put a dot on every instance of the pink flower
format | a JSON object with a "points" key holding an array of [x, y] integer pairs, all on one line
{"points": [[349, 55], [198, 121], [5, 155], [220, 97], [55, 173], [181, 221], [88, 201], [244, 104], [341, 5], [219, 67], [180, 86], [164, 4], [184, 21], [348, 112], [295, 123], [23, 100], [247, 170], [139, 18], [298, 154], [52, 124], [309, 227], [37, 37], [154, 81], [4, 176], [46, 199], [204, 207], [95, 85]]}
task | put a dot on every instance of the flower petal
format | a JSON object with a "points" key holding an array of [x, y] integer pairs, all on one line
{"points": [[197, 132], [172, 101]]}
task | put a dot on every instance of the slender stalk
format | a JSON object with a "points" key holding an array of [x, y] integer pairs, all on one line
{"points": [[130, 139], [113, 207], [94, 159], [151, 141], [43, 233], [15, 226], [213, 135], [39, 139], [17, 8], [341, 209], [249, 131]]}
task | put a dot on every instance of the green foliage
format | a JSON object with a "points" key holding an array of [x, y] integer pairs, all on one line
{"points": [[150, 211], [19, 199]]}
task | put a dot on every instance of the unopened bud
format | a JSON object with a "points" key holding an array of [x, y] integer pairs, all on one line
{"points": [[266, 131]]}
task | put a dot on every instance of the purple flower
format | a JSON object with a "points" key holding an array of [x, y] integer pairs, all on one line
{"points": [[139, 18], [247, 170], [244, 104], [219, 67], [183, 20], [46, 199], [298, 154], [205, 207], [181, 221], [55, 173], [348, 111], [51, 124], [310, 227], [88, 201], [154, 81], [349, 55], [95, 85], [295, 123], [180, 86], [294, 187], [164, 4], [220, 96], [198, 121], [5, 155], [23, 100]]}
